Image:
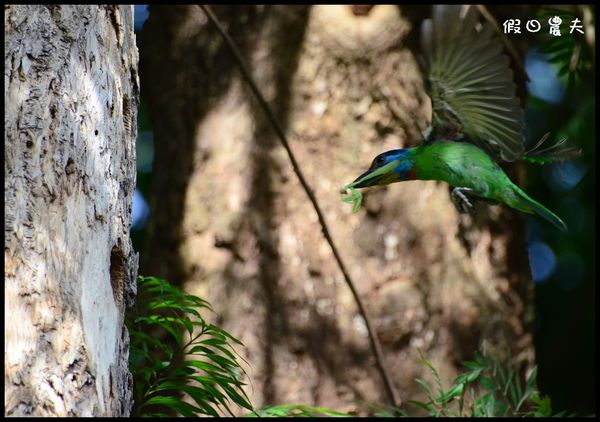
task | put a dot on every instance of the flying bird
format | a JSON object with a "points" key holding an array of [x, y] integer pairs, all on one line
{"points": [[476, 121]]}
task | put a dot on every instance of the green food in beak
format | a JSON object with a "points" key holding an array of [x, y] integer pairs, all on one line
{"points": [[369, 178]]}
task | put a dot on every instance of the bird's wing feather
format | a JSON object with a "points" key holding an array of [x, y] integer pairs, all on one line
{"points": [[470, 83]]}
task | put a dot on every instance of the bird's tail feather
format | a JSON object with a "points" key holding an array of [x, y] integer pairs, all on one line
{"points": [[542, 210], [541, 153]]}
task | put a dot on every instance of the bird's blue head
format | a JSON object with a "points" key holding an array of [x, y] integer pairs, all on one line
{"points": [[392, 166]]}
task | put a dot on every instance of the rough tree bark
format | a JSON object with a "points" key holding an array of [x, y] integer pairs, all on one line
{"points": [[71, 94], [230, 221]]}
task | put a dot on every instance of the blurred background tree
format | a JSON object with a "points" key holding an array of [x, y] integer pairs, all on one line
{"points": [[228, 221]]}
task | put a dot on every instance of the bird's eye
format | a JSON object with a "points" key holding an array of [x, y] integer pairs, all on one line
{"points": [[378, 161]]}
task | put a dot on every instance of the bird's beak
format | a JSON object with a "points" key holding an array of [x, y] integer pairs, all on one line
{"points": [[373, 177]]}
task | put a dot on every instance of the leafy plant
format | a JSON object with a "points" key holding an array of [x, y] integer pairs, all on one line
{"points": [[201, 374], [568, 51], [486, 389], [203, 367]]}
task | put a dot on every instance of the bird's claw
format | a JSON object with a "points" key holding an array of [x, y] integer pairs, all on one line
{"points": [[462, 202]]}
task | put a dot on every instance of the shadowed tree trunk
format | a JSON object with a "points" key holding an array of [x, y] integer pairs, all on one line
{"points": [[71, 98], [231, 223]]}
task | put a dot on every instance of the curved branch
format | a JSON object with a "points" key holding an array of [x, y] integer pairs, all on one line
{"points": [[375, 346]]}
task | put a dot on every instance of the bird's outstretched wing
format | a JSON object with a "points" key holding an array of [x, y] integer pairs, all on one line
{"points": [[470, 83]]}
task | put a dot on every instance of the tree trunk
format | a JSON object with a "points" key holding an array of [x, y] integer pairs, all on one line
{"points": [[230, 221], [71, 98]]}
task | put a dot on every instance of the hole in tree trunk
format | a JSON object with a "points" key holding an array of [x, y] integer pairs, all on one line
{"points": [[117, 274]]}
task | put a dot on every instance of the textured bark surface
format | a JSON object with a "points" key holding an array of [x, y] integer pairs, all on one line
{"points": [[71, 93], [231, 223]]}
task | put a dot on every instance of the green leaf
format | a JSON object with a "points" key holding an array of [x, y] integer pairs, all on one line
{"points": [[472, 365], [480, 360], [531, 379], [201, 397], [468, 377], [490, 405], [487, 383], [205, 366], [502, 375], [501, 409], [519, 391], [222, 362], [209, 386], [425, 386], [355, 198], [542, 405], [425, 406], [510, 386], [174, 403], [237, 398], [221, 345], [224, 333], [455, 391]]}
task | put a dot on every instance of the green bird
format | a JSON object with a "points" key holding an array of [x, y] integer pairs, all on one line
{"points": [[476, 121]]}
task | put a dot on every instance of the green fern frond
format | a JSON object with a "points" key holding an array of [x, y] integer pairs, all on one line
{"points": [[201, 375]]}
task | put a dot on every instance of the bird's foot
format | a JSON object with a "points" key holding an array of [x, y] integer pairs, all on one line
{"points": [[462, 202]]}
